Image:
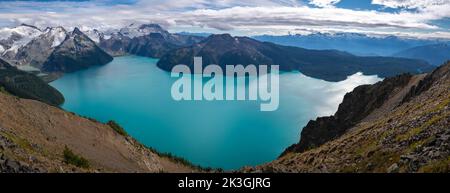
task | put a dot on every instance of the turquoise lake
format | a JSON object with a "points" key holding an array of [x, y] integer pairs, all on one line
{"points": [[228, 134]]}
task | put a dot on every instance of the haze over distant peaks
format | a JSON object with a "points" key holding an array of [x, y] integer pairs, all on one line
{"points": [[435, 54], [359, 44]]}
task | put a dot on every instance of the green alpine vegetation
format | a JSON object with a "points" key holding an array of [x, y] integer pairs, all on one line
{"points": [[27, 85]]}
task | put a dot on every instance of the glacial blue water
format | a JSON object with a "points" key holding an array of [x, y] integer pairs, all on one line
{"points": [[228, 134]]}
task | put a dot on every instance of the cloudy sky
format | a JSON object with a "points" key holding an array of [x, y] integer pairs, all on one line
{"points": [[416, 18]]}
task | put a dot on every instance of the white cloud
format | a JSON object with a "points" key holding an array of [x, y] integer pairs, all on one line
{"points": [[324, 3], [237, 17], [411, 4]]}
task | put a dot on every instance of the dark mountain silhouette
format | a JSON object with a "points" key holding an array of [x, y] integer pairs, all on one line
{"points": [[330, 65], [27, 85]]}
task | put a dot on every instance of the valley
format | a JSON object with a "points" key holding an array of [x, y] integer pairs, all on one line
{"points": [[123, 76], [134, 92]]}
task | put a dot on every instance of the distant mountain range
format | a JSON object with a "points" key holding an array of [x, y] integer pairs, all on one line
{"points": [[331, 65], [435, 54], [355, 43], [397, 125], [56, 50]]}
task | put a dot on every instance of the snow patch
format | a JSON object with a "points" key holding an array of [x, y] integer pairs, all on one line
{"points": [[6, 33], [135, 30], [24, 34], [28, 68], [94, 35], [57, 35], [13, 49], [107, 37]]}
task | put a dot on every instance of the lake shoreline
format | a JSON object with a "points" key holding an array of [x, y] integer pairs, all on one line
{"points": [[89, 92]]}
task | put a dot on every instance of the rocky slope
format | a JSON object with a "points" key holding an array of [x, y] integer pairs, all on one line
{"points": [[356, 105], [27, 85], [403, 129], [76, 52], [328, 65], [35, 137], [36, 52]]}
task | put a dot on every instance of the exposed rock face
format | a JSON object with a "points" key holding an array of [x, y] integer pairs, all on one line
{"points": [[94, 35], [27, 85], [76, 52], [116, 45], [53, 50], [328, 65], [427, 82], [356, 105], [36, 52], [409, 132]]}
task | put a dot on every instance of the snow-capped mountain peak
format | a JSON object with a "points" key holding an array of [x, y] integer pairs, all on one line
{"points": [[137, 30], [94, 35], [55, 34], [22, 30], [11, 39]]}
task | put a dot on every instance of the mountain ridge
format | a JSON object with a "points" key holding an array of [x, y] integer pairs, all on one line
{"points": [[434, 54], [149, 40], [330, 65], [355, 43], [75, 53], [43, 51], [27, 85]]}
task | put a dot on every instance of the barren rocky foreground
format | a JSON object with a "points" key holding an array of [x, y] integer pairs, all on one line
{"points": [[33, 137]]}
